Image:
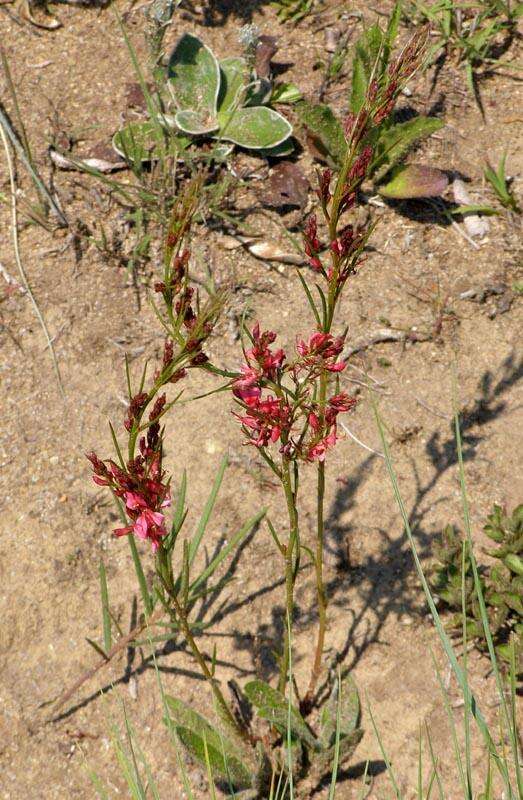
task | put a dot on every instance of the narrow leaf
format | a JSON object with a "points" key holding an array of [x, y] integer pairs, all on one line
{"points": [[106, 615]]}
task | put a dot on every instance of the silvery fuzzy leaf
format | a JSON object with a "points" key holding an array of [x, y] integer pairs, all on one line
{"points": [[194, 77]]}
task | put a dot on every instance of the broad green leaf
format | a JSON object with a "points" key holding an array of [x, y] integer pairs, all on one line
{"points": [[145, 141], [325, 131], [255, 128], [194, 77], [233, 73], [283, 149], [198, 735], [365, 64], [395, 142], [358, 86], [349, 712], [274, 707], [195, 123], [414, 180], [323, 761], [369, 47]]}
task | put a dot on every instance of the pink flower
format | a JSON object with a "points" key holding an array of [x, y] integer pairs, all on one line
{"points": [[148, 525], [246, 388], [321, 351], [318, 451], [314, 421], [133, 501], [266, 419], [260, 353], [337, 367]]}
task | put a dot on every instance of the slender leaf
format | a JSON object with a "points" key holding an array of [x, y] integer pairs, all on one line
{"points": [[106, 615]]}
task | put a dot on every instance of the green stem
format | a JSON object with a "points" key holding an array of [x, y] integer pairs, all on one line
{"points": [[218, 696], [289, 568], [165, 572]]}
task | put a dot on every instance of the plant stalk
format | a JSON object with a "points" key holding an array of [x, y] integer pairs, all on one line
{"points": [[289, 569], [198, 655]]}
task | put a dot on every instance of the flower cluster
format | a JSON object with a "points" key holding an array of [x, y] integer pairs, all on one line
{"points": [[312, 243], [263, 364], [324, 430], [141, 484], [271, 419], [321, 352], [266, 420]]}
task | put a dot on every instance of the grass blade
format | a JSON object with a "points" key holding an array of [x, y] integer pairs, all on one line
{"points": [[444, 639], [207, 511], [224, 552], [144, 591], [106, 615]]}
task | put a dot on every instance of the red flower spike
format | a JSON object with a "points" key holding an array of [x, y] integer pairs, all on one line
{"points": [[324, 182]]}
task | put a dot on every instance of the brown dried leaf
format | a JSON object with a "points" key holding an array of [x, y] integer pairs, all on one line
{"points": [[134, 96], [286, 186], [265, 50]]}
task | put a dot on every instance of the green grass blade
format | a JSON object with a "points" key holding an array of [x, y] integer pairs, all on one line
{"points": [[466, 697], [484, 619], [334, 776], [144, 591], [310, 298], [452, 723], [172, 731], [388, 765], [444, 639], [106, 615], [435, 770], [207, 511], [224, 552]]}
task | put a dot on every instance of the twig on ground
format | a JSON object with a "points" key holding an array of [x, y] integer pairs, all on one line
{"points": [[385, 335], [361, 444], [23, 276], [432, 410], [120, 645]]}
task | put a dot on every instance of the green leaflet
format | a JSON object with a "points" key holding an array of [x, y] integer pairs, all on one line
{"points": [[349, 712], [195, 123], [274, 707], [325, 131], [197, 735], [145, 141], [395, 142], [233, 76]]}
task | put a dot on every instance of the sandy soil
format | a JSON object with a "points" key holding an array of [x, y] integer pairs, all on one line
{"points": [[56, 525]]}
